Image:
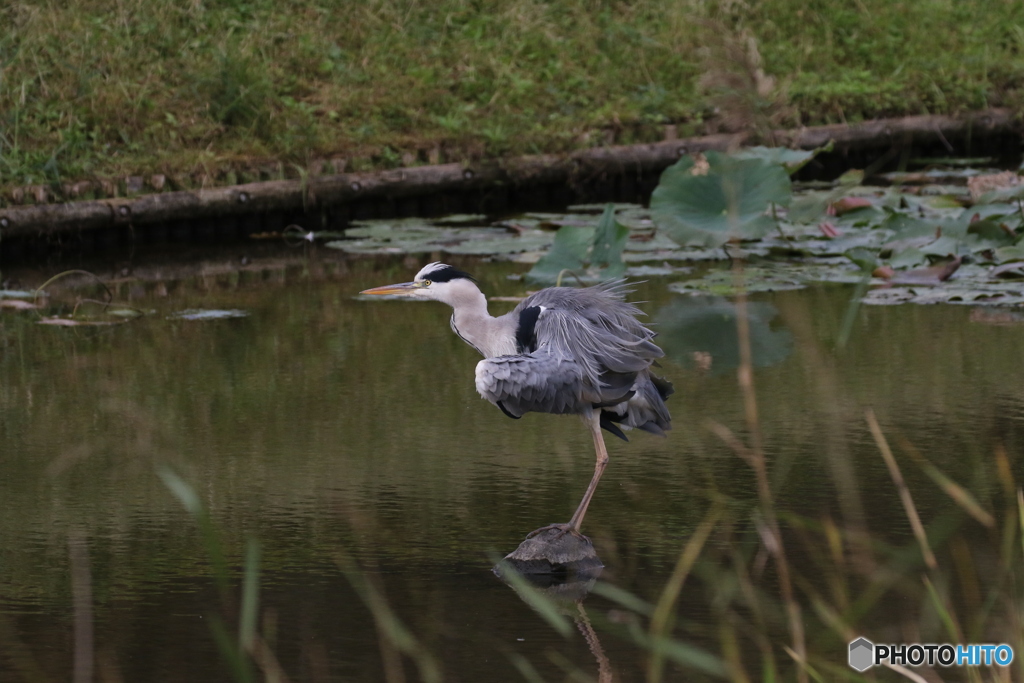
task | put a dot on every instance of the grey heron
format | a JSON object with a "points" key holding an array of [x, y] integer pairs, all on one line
{"points": [[561, 350]]}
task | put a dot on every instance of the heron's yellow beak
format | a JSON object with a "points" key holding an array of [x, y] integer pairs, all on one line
{"points": [[401, 288]]}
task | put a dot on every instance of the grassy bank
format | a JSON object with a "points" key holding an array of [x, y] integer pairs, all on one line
{"points": [[106, 88]]}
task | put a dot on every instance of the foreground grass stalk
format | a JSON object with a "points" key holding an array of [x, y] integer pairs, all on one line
{"points": [[250, 597], [907, 673], [81, 590], [901, 487], [394, 635], [958, 493], [756, 459], [248, 642], [661, 619]]}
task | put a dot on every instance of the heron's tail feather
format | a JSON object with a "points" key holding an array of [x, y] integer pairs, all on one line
{"points": [[645, 409]]}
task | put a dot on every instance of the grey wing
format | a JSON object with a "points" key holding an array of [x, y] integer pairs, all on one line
{"points": [[539, 382], [596, 328]]}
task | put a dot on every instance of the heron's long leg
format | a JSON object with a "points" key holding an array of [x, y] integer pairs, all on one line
{"points": [[602, 459]]}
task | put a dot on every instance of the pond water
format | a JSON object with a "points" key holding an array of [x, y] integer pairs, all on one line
{"points": [[328, 427]]}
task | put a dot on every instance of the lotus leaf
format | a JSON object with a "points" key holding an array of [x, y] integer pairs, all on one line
{"points": [[730, 202], [575, 246], [207, 314], [1006, 254], [791, 159], [568, 252]]}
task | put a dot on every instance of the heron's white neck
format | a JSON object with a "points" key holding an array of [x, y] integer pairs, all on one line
{"points": [[470, 320]]}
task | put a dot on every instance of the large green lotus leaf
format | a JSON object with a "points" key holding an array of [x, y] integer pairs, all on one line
{"points": [[791, 159], [729, 202]]}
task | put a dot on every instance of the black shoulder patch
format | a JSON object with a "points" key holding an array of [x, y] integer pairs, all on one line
{"points": [[447, 274], [526, 332]]}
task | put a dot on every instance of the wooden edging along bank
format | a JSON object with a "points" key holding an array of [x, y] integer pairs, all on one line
{"points": [[42, 220]]}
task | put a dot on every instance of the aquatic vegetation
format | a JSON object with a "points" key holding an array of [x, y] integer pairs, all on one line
{"points": [[725, 199], [207, 314], [590, 254], [920, 242], [898, 235]]}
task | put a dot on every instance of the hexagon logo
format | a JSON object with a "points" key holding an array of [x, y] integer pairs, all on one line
{"points": [[862, 654]]}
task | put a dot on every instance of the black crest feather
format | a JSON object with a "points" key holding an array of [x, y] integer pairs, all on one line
{"points": [[445, 273]]}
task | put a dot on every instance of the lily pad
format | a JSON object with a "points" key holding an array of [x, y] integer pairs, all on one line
{"points": [[535, 240], [754, 279], [657, 271], [17, 304], [421, 239], [57, 321], [1014, 269], [207, 314], [19, 294], [1006, 254]]}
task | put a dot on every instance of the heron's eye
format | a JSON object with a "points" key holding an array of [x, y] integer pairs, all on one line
{"points": [[425, 283]]}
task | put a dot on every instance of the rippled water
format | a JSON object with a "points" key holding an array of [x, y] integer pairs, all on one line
{"points": [[321, 424]]}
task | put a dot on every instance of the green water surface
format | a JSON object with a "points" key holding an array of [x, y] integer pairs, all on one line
{"points": [[320, 423]]}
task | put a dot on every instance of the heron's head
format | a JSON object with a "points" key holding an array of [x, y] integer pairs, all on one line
{"points": [[437, 281]]}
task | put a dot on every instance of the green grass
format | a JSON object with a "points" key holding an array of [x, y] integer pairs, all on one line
{"points": [[105, 88]]}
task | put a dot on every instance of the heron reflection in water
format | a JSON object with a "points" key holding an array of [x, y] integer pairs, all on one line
{"points": [[561, 350]]}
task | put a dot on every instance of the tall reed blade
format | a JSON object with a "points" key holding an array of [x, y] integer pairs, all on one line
{"points": [[958, 493], [389, 626], [901, 487], [661, 620], [250, 596], [745, 375]]}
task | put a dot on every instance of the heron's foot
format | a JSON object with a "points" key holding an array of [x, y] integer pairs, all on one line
{"points": [[563, 529]]}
